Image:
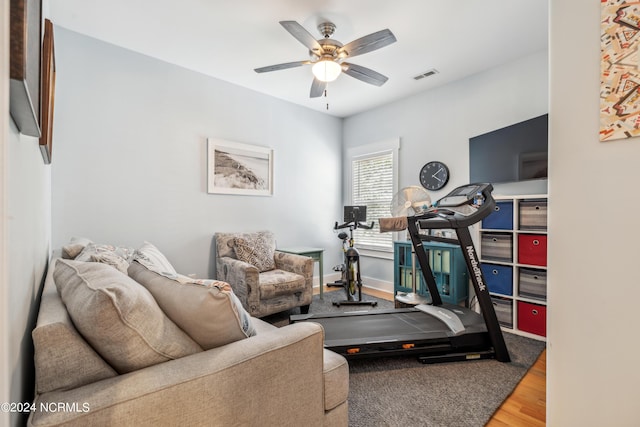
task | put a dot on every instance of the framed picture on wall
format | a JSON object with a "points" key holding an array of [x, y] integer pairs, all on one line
{"points": [[237, 168], [48, 91], [24, 65]]}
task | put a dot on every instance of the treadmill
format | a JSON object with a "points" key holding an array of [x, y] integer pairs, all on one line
{"points": [[436, 332]]}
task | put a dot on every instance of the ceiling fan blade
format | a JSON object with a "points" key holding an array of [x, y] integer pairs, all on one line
{"points": [[281, 66], [302, 35], [365, 74], [368, 43], [317, 88]]}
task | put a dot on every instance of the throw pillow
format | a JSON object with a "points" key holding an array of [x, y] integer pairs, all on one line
{"points": [[111, 259], [74, 247], [256, 249], [115, 256], [207, 310], [151, 257], [118, 317]]}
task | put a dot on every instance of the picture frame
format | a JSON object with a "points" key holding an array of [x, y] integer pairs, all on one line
{"points": [[238, 168], [24, 67], [47, 91]]}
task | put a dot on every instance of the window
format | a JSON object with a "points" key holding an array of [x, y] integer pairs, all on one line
{"points": [[373, 183]]}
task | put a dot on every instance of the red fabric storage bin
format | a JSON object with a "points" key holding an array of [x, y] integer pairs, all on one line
{"points": [[532, 249], [532, 318]]}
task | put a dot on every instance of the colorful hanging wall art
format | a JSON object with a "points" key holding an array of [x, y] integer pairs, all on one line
{"points": [[620, 70]]}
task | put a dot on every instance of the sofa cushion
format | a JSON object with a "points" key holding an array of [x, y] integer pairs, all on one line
{"points": [[207, 310], [256, 249], [261, 326], [118, 317], [62, 358], [335, 374], [275, 283]]}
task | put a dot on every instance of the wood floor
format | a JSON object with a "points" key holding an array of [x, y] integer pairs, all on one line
{"points": [[527, 404]]}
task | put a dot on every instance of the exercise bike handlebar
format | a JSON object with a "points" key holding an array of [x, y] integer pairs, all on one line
{"points": [[353, 225]]}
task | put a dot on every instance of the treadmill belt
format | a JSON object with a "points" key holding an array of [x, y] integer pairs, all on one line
{"points": [[385, 327], [337, 328]]}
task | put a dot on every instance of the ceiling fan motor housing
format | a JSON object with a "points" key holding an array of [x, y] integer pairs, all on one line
{"points": [[329, 47]]}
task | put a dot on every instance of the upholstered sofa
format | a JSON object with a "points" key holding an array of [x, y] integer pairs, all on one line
{"points": [[274, 376], [265, 280]]}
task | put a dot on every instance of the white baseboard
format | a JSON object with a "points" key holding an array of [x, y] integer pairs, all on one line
{"points": [[379, 285]]}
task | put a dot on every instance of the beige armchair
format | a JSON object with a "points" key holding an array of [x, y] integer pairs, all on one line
{"points": [[265, 280]]}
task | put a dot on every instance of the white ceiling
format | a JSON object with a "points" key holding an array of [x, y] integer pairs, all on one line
{"points": [[228, 39]]}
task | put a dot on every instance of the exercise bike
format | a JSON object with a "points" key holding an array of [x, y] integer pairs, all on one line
{"points": [[350, 269]]}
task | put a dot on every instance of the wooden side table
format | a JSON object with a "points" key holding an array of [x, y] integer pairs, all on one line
{"points": [[315, 253]]}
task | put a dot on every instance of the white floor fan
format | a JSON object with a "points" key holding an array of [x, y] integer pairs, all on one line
{"points": [[410, 201]]}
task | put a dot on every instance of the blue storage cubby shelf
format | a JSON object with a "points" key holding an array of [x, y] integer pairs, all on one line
{"points": [[512, 246], [499, 278], [501, 218]]}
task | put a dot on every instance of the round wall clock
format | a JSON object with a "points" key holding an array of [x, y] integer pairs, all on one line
{"points": [[434, 175]]}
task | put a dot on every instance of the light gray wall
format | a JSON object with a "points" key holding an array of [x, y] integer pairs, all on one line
{"points": [[29, 237], [130, 157], [25, 236], [437, 125], [593, 293]]}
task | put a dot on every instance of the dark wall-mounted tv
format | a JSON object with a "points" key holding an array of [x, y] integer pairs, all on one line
{"points": [[515, 153]]}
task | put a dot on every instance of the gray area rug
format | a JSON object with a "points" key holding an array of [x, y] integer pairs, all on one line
{"points": [[400, 391]]}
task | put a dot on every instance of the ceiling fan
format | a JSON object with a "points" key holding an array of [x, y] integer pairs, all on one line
{"points": [[328, 55]]}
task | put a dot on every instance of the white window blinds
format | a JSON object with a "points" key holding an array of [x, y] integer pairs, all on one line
{"points": [[373, 185]]}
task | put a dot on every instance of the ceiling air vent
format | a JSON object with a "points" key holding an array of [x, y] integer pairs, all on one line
{"points": [[431, 72]]}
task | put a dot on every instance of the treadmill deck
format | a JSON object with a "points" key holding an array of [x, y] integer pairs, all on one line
{"points": [[395, 331]]}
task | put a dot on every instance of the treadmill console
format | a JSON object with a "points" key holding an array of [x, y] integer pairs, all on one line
{"points": [[462, 207], [464, 195]]}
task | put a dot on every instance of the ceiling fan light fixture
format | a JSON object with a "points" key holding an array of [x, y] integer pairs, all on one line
{"points": [[326, 70]]}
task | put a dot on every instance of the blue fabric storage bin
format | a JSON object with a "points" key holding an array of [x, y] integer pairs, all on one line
{"points": [[501, 218], [499, 278]]}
